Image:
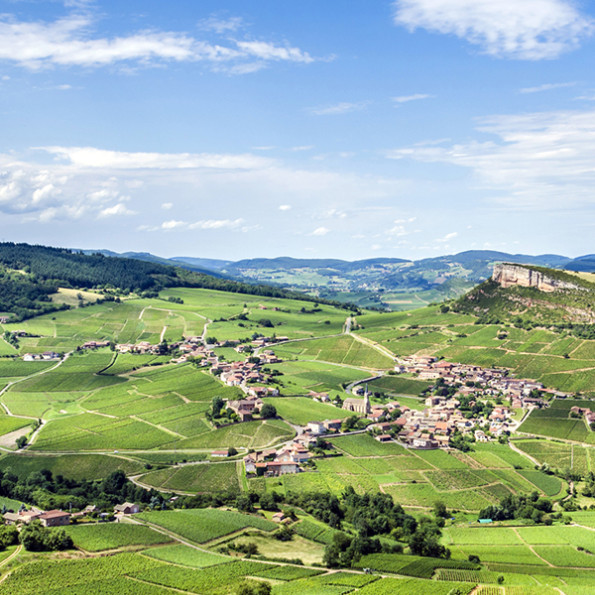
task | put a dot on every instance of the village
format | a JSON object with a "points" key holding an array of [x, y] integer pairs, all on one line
{"points": [[454, 412], [462, 400]]}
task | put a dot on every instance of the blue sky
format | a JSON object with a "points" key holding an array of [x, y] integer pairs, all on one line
{"points": [[234, 129]]}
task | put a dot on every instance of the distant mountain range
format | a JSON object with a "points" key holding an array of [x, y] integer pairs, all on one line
{"points": [[387, 283]]}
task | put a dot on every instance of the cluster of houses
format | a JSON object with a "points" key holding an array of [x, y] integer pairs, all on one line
{"points": [[248, 375], [272, 463], [142, 347], [46, 356], [60, 518], [476, 380]]}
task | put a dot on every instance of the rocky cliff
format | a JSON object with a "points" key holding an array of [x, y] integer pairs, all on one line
{"points": [[513, 275]]}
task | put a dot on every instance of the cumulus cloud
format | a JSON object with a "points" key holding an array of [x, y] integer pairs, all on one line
{"points": [[320, 231], [526, 30], [339, 108], [116, 210], [69, 42], [284, 207], [543, 159]]}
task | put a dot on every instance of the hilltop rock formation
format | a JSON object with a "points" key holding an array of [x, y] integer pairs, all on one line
{"points": [[511, 275]]}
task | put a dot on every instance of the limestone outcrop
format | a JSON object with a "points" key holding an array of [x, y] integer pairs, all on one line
{"points": [[512, 275]]}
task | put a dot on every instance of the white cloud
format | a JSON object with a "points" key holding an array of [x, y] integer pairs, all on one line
{"points": [[521, 29], [221, 25], [339, 108], [546, 87], [284, 207], [172, 224], [99, 158], [69, 42], [216, 224], [407, 98], [542, 160], [447, 237], [320, 231], [119, 209]]}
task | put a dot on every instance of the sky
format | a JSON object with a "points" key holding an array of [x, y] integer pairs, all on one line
{"points": [[339, 128]]}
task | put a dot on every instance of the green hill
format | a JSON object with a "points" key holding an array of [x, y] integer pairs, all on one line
{"points": [[531, 296], [29, 275]]}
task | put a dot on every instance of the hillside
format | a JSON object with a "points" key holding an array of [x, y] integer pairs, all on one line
{"points": [[30, 275], [530, 296]]}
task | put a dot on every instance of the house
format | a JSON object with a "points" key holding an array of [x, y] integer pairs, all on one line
{"points": [[54, 518], [126, 508], [220, 453], [282, 467], [278, 517], [333, 425], [316, 427], [22, 516], [250, 463], [384, 438]]}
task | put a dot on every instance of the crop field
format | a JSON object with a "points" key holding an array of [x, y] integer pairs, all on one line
{"points": [[108, 536], [555, 422], [203, 525], [341, 350], [299, 378], [201, 478], [362, 445], [301, 410], [184, 555], [73, 466]]}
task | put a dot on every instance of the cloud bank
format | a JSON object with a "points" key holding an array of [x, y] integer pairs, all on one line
{"points": [[518, 29]]}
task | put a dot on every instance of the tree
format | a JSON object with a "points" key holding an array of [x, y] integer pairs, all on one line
{"points": [[21, 442], [268, 411], [440, 509], [254, 588]]}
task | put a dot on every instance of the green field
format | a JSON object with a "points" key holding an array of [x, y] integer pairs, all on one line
{"points": [[341, 350], [108, 536], [203, 525]]}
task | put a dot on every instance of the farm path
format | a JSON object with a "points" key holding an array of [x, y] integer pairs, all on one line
{"points": [[519, 451], [531, 547], [203, 337], [373, 345], [9, 559], [163, 331], [162, 428], [13, 382]]}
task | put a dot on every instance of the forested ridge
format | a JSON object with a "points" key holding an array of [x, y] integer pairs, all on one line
{"points": [[29, 274]]}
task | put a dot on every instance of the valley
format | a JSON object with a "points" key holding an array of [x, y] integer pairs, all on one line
{"points": [[147, 387]]}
